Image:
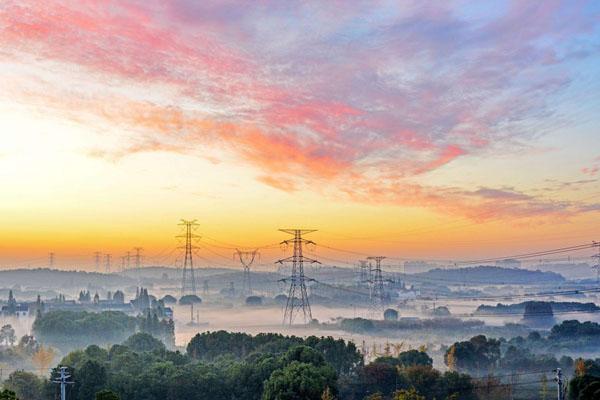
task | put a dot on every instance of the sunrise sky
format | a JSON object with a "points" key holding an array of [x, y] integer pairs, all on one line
{"points": [[458, 130]]}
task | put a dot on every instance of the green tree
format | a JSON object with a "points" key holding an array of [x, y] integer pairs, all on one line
{"points": [[299, 381], [410, 394], [8, 395], [304, 354], [107, 395], [25, 385], [89, 379], [477, 354], [414, 357], [144, 342]]}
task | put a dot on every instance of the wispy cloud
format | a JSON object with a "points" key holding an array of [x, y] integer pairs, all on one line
{"points": [[340, 93]]}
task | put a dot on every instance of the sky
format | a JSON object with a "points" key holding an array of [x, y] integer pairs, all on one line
{"points": [[424, 130]]}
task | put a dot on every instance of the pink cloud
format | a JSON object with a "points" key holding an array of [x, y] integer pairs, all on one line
{"points": [[339, 93]]}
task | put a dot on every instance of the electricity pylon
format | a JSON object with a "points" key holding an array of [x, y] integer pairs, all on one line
{"points": [[138, 260], [97, 260], [51, 260], [188, 284], [297, 297], [107, 259], [363, 277], [247, 259], [596, 266], [377, 294]]}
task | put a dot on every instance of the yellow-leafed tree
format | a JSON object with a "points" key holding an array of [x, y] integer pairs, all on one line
{"points": [[43, 358]]}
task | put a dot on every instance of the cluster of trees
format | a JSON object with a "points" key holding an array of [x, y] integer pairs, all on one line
{"points": [[209, 346], [221, 365], [409, 376], [565, 337], [66, 329], [586, 382], [555, 306], [481, 355], [441, 322], [28, 354]]}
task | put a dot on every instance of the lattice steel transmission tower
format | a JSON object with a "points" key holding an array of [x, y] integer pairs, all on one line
{"points": [[51, 260], [363, 277], [377, 293], [596, 266], [297, 297], [188, 283], [138, 260], [97, 255], [246, 259], [107, 261]]}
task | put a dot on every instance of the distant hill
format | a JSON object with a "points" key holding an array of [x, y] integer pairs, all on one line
{"points": [[488, 275], [570, 270], [59, 280], [519, 308]]}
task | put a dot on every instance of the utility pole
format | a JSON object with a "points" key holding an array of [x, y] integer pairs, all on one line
{"points": [[51, 260], [377, 293], [97, 260], [188, 284], [596, 266], [297, 296], [128, 260], [123, 259], [560, 384], [246, 259], [107, 259], [63, 381]]}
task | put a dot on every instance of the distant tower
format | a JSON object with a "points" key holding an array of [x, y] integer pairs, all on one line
{"points": [[247, 259], [97, 260], [377, 293], [297, 297], [138, 260], [107, 260], [363, 273], [188, 283], [596, 266], [51, 260]]}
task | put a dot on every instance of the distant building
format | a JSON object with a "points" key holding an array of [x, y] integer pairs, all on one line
{"points": [[508, 263], [20, 310], [14, 309]]}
